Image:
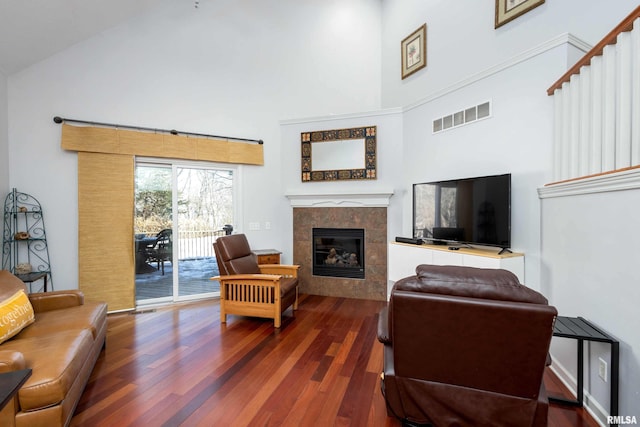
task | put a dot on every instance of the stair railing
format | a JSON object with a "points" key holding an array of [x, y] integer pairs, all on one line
{"points": [[597, 107]]}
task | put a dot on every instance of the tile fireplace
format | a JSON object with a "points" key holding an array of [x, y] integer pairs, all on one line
{"points": [[372, 221]]}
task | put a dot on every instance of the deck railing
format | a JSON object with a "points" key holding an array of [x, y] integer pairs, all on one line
{"points": [[193, 244], [597, 107], [196, 244]]}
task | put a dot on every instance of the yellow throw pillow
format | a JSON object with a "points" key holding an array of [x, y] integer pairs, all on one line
{"points": [[16, 313]]}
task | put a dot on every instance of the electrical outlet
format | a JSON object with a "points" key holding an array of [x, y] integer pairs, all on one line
{"points": [[602, 369], [267, 225]]}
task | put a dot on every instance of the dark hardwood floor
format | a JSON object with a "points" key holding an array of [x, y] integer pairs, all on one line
{"points": [[181, 366], [562, 415]]}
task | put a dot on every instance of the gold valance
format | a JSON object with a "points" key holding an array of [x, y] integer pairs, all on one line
{"points": [[93, 139]]}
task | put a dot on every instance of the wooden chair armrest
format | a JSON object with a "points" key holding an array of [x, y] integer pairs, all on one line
{"points": [[248, 278], [281, 269]]}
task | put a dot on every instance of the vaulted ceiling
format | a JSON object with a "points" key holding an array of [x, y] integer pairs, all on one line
{"points": [[32, 30]]}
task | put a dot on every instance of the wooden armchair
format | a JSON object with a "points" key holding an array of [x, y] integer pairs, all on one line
{"points": [[249, 289]]}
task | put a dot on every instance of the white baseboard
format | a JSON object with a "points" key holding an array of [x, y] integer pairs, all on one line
{"points": [[591, 405]]}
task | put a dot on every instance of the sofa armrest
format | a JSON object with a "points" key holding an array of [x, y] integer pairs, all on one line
{"points": [[11, 360], [55, 300], [281, 269], [383, 327]]}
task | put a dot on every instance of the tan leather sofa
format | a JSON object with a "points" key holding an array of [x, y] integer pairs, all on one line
{"points": [[61, 347], [467, 347]]}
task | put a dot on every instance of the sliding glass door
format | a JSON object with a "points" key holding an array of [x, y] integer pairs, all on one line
{"points": [[153, 217], [205, 206], [180, 210]]}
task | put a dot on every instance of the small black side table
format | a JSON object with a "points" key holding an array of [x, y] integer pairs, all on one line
{"points": [[10, 383], [582, 330]]}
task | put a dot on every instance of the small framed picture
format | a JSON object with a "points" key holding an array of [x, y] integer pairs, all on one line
{"points": [[508, 10], [414, 51]]}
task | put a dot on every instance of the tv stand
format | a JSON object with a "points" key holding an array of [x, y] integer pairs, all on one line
{"points": [[403, 259]]}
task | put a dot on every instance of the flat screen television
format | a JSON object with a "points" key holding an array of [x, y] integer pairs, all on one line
{"points": [[470, 210]]}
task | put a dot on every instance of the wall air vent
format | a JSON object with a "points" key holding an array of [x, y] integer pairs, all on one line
{"points": [[463, 117]]}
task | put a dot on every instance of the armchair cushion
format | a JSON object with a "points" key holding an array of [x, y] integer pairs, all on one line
{"points": [[16, 313], [56, 361], [493, 284], [235, 257], [288, 276], [86, 316], [287, 284]]}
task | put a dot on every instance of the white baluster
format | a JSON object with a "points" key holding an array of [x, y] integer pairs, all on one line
{"points": [[584, 122], [623, 101], [609, 108], [595, 144], [574, 131], [558, 141], [635, 93], [565, 157]]}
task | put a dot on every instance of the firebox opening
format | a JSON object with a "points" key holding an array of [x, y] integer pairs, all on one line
{"points": [[338, 252]]}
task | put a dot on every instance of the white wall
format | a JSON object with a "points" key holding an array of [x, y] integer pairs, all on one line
{"points": [[590, 257], [389, 163], [230, 68], [516, 139], [4, 145], [462, 41]]}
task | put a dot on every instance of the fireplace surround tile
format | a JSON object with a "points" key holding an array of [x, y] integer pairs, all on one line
{"points": [[373, 220]]}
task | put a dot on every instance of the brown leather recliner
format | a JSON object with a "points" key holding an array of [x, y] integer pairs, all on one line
{"points": [[465, 346], [251, 289]]}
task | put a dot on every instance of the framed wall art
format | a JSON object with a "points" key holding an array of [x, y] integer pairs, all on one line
{"points": [[508, 10], [414, 51]]}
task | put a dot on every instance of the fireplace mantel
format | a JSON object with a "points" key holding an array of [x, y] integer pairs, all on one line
{"points": [[340, 199]]}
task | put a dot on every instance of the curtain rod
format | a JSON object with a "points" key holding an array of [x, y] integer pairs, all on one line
{"points": [[58, 119]]}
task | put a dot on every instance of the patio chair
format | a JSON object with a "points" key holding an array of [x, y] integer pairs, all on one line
{"points": [[161, 250], [250, 289]]}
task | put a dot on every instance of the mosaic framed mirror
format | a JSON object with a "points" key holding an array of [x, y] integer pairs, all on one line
{"points": [[339, 154]]}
